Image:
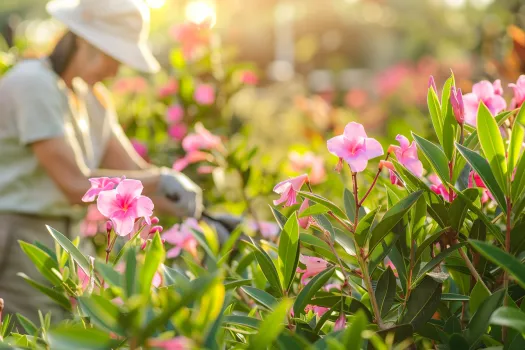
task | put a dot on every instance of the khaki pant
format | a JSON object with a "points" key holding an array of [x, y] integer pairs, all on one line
{"points": [[18, 295]]}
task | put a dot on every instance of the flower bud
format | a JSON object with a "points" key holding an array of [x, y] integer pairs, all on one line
{"points": [[154, 220], [156, 228], [144, 244], [432, 84], [456, 100], [109, 226], [386, 164]]}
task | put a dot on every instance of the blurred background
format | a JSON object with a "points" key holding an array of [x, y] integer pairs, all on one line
{"points": [[277, 78]]}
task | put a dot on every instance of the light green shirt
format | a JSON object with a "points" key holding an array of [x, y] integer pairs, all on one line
{"points": [[36, 105]]}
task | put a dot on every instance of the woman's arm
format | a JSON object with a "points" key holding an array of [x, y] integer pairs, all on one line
{"points": [[71, 174], [120, 154]]}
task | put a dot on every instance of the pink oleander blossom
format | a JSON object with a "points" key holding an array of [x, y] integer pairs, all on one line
{"points": [[267, 229], [314, 266], [288, 190], [98, 185], [519, 92], [174, 113], [178, 131], [177, 343], [474, 180], [355, 147], [318, 310], [484, 92], [191, 158], [140, 148], [169, 89], [432, 84], [340, 323], [204, 95], [456, 100], [249, 77], [182, 238], [192, 37], [202, 139], [309, 161], [438, 187], [406, 154], [125, 204]]}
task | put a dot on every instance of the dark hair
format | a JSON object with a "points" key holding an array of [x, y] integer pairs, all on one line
{"points": [[63, 52]]}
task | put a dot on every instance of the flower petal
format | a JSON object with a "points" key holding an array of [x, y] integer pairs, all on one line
{"points": [[354, 130], [107, 203], [484, 89], [373, 148]]}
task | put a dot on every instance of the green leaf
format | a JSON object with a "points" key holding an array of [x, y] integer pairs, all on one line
{"points": [[261, 297], [267, 266], [434, 107], [289, 251], [499, 257], [314, 210], [155, 255], [509, 317], [385, 292], [352, 339], [29, 326], [108, 273], [477, 297], [423, 302], [454, 297], [492, 145], [327, 315], [321, 200], [400, 332], [435, 156], [363, 227], [428, 242], [480, 321], [130, 277], [518, 185], [437, 259], [66, 244], [349, 201], [457, 341], [516, 139], [458, 209], [102, 312], [43, 262], [59, 298], [482, 167], [325, 224], [280, 218], [317, 245], [203, 243], [77, 337], [391, 218], [419, 215], [244, 321], [307, 293], [453, 325], [271, 327]]}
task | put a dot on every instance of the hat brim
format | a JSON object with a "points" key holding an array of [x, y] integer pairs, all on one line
{"points": [[132, 54]]}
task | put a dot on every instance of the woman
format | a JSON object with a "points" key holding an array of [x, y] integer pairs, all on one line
{"points": [[58, 129]]}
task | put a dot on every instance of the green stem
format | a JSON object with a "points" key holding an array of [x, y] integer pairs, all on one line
{"points": [[373, 183], [471, 267]]}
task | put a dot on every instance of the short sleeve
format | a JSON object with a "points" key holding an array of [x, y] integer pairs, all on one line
{"points": [[39, 108]]}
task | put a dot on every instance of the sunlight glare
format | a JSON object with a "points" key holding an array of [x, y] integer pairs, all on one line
{"points": [[200, 11]]}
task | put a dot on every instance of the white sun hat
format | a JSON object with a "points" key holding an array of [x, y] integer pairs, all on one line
{"points": [[119, 28]]}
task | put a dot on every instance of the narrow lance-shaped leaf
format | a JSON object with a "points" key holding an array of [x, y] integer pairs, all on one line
{"points": [[480, 321], [449, 121], [306, 294], [386, 291], [391, 218], [492, 145], [434, 107], [289, 250], [509, 317], [516, 139], [423, 302], [482, 167], [267, 266], [271, 327], [435, 156]]}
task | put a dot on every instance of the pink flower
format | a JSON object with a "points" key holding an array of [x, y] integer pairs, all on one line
{"points": [[310, 161], [202, 139], [475, 179], [340, 323], [331, 286], [318, 310], [438, 187], [314, 265], [204, 94], [519, 92], [170, 88], [90, 225], [206, 169], [181, 237], [355, 147], [140, 148], [177, 131], [177, 343], [391, 170], [248, 77], [306, 221], [125, 204], [456, 100], [390, 264], [191, 158], [406, 154], [192, 37], [356, 98], [98, 185], [498, 89], [288, 190], [174, 114], [482, 92], [268, 230], [130, 85]]}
